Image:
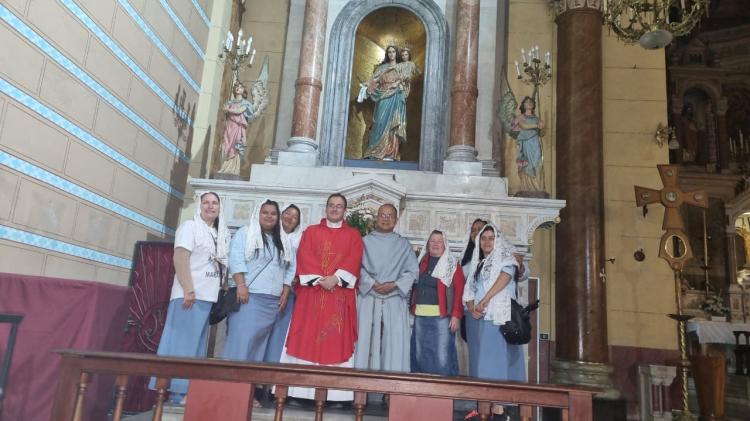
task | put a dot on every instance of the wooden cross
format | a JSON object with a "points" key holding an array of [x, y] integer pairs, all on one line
{"points": [[671, 197]]}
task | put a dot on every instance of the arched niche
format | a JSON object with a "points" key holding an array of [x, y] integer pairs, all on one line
{"points": [[434, 121]]}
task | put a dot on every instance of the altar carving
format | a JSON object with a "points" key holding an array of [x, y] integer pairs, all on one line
{"points": [[425, 201]]}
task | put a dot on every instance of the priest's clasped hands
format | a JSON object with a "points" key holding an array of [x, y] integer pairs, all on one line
{"points": [[384, 288], [329, 282]]}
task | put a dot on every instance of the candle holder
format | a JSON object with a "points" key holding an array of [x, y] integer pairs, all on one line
{"points": [[535, 72], [239, 53]]}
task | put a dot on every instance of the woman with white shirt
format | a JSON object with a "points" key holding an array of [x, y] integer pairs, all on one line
{"points": [[262, 270], [200, 253]]}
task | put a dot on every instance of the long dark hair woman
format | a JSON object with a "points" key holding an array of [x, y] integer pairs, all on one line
{"points": [[262, 268]]}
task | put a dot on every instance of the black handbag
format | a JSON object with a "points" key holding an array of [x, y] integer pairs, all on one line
{"points": [[517, 330], [226, 301]]}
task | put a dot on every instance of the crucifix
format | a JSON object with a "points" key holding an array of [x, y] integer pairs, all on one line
{"points": [[675, 249]]}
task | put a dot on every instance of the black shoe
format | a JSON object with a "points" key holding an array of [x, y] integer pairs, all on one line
{"points": [[300, 403]]}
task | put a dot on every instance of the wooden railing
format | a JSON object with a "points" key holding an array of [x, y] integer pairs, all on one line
{"points": [[78, 367]]}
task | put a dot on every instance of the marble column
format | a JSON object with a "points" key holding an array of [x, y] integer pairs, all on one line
{"points": [[302, 146], [580, 297], [461, 156], [722, 138]]}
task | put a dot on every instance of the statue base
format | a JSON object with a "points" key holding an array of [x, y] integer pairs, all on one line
{"points": [[585, 373], [462, 168], [534, 194], [225, 176]]}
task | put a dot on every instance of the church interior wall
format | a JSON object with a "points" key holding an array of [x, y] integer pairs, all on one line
{"points": [[639, 294], [492, 36], [531, 22], [96, 107], [209, 101]]}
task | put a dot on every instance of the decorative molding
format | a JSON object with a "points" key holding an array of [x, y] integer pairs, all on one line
{"points": [[562, 6], [129, 62], [201, 12], [50, 115], [47, 243], [31, 36], [80, 192], [335, 110], [159, 44], [185, 32], [426, 200]]}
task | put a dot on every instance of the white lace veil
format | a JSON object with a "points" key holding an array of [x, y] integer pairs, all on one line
{"points": [[501, 256], [446, 265]]}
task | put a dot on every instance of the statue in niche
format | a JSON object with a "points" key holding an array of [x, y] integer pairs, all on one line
{"points": [[389, 88], [689, 134], [239, 112], [527, 129]]}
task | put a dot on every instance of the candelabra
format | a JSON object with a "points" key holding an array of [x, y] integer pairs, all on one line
{"points": [[534, 72], [239, 53]]}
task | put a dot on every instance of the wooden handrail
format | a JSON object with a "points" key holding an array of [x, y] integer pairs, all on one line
{"points": [[575, 401]]}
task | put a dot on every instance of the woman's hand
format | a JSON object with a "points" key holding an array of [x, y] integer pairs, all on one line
{"points": [[188, 300], [243, 294], [473, 310], [284, 298], [454, 324]]}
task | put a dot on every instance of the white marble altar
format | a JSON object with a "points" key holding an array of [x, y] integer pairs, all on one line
{"points": [[426, 200]]}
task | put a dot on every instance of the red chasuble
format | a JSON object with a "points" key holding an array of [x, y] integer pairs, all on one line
{"points": [[324, 323]]}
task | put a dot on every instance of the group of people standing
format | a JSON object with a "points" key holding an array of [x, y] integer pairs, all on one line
{"points": [[327, 296]]}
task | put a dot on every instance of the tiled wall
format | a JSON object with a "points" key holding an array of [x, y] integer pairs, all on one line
{"points": [[97, 101]]}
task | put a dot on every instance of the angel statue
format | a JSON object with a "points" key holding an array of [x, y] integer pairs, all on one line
{"points": [[389, 88], [527, 128], [239, 113]]}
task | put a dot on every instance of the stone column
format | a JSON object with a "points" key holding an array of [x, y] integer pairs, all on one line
{"points": [[302, 146], [461, 157], [722, 138], [580, 295]]}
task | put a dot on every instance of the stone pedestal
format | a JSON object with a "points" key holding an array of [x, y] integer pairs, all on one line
{"points": [[302, 152], [653, 391]]}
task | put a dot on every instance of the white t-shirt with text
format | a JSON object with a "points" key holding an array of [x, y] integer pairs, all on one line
{"points": [[203, 268]]}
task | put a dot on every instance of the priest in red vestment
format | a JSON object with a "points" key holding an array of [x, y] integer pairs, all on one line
{"points": [[323, 330]]}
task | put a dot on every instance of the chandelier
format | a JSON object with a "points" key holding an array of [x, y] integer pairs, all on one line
{"points": [[653, 23]]}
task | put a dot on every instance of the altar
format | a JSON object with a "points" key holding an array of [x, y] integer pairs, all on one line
{"points": [[425, 200]]}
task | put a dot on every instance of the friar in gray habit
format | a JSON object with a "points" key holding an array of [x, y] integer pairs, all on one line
{"points": [[389, 269]]}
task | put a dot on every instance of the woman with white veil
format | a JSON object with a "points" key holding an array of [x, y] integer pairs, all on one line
{"points": [[490, 287], [262, 269], [437, 308], [291, 234]]}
